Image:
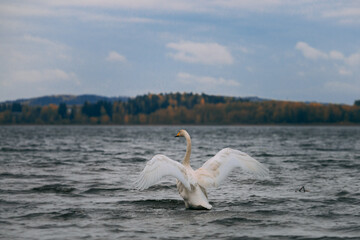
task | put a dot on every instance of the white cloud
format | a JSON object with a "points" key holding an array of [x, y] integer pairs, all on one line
{"points": [[353, 59], [213, 6], [41, 76], [250, 69], [33, 52], [244, 49], [44, 42], [310, 52], [36, 82], [42, 49], [56, 8], [347, 12], [175, 5], [34, 62], [187, 78], [345, 72], [25, 10], [90, 16], [113, 56], [314, 54], [250, 5], [47, 9], [336, 55], [343, 12], [204, 53], [301, 74]]}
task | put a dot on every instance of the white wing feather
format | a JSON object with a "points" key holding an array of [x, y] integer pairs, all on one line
{"points": [[157, 168], [217, 168]]}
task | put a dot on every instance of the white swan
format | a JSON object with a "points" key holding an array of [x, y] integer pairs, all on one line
{"points": [[191, 184]]}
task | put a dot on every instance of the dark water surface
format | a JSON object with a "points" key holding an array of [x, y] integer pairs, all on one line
{"points": [[75, 182]]}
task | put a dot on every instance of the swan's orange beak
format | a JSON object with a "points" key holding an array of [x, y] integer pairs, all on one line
{"points": [[178, 135]]}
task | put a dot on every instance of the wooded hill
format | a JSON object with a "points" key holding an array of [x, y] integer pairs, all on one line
{"points": [[67, 99], [181, 108]]}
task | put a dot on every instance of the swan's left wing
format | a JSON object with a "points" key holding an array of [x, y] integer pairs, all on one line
{"points": [[217, 168], [157, 168]]}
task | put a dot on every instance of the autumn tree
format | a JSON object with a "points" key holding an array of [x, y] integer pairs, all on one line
{"points": [[62, 110]]}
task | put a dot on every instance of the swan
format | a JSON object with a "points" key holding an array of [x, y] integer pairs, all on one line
{"points": [[192, 184]]}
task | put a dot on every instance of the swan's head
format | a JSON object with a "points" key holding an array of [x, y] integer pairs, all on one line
{"points": [[182, 133]]}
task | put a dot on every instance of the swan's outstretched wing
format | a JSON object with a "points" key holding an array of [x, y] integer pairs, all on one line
{"points": [[158, 167], [217, 168]]}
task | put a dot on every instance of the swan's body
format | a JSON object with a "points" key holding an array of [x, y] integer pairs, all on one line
{"points": [[192, 184]]}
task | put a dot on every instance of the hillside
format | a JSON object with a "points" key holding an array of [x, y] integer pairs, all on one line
{"points": [[177, 108], [67, 99]]}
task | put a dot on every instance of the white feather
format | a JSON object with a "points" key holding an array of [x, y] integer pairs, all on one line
{"points": [[157, 168], [217, 168]]}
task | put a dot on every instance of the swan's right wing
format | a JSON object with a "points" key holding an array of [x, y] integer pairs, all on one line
{"points": [[157, 168], [217, 168]]}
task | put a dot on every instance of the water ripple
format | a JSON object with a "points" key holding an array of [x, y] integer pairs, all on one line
{"points": [[74, 182]]}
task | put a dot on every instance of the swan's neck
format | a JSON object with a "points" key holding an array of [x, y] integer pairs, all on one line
{"points": [[186, 161]]}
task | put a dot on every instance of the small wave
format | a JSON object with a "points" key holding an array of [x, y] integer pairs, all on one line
{"points": [[333, 149], [100, 190], [268, 182], [331, 214], [342, 193], [156, 203], [12, 191], [152, 201], [54, 188], [23, 176], [93, 150], [356, 194], [65, 214], [349, 200], [10, 149], [269, 155], [8, 203], [234, 220], [2, 222], [349, 165], [70, 214], [272, 201], [102, 169], [234, 203], [132, 159], [48, 162], [36, 149], [306, 145], [35, 215], [120, 140], [162, 187], [348, 229], [271, 212]]}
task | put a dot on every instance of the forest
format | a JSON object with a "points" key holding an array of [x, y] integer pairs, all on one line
{"points": [[182, 108]]}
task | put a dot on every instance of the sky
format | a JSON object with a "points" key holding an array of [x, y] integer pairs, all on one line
{"points": [[278, 49]]}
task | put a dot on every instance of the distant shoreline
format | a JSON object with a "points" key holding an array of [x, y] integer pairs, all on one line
{"points": [[182, 109], [187, 125]]}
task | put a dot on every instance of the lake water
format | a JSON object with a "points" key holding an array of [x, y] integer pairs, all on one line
{"points": [[75, 182]]}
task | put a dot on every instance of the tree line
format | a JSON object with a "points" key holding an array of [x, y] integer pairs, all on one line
{"points": [[182, 108]]}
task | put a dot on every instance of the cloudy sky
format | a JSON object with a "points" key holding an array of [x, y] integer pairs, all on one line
{"points": [[279, 49]]}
